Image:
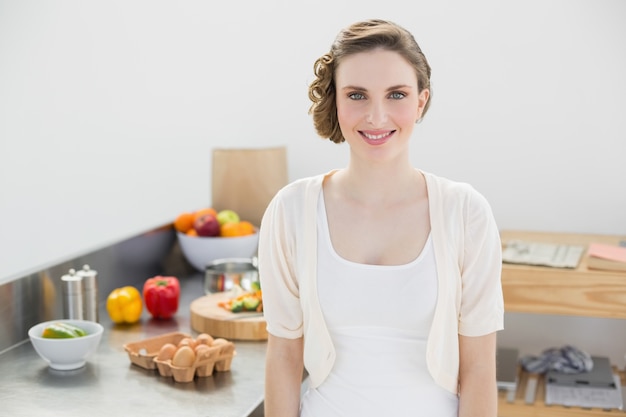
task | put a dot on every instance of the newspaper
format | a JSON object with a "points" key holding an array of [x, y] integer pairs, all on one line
{"points": [[542, 254]]}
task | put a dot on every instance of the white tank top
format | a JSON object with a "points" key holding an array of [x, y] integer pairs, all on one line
{"points": [[378, 318]]}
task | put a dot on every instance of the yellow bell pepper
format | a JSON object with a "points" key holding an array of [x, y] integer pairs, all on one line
{"points": [[124, 305]]}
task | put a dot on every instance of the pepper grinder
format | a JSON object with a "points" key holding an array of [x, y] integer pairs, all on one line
{"points": [[90, 293], [72, 295]]}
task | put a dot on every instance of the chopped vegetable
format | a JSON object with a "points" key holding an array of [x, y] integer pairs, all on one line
{"points": [[251, 303], [247, 301], [62, 331], [236, 306]]}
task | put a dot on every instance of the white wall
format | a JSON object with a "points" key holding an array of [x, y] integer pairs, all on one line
{"points": [[109, 110]]}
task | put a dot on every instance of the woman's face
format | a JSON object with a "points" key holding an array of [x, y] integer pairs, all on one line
{"points": [[378, 102]]}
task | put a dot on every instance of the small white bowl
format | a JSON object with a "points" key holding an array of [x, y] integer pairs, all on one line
{"points": [[66, 354], [201, 251]]}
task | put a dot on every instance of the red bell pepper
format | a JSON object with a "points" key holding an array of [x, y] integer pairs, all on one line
{"points": [[161, 295]]}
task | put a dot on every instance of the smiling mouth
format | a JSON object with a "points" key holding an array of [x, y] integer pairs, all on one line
{"points": [[379, 136]]}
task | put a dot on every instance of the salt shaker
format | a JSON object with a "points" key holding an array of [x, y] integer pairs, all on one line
{"points": [[90, 293], [72, 295]]}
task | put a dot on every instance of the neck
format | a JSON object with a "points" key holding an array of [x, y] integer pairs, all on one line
{"points": [[380, 184]]}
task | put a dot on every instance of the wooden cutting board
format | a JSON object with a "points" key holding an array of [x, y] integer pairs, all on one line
{"points": [[208, 317]]}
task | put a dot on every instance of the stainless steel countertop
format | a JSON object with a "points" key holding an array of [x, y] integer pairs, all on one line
{"points": [[110, 385]]}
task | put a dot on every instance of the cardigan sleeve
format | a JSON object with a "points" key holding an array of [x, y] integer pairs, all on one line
{"points": [[277, 269], [482, 304]]}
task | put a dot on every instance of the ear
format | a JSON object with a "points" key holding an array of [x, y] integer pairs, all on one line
{"points": [[421, 102]]}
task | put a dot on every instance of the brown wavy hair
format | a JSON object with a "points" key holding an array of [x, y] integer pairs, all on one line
{"points": [[360, 37]]}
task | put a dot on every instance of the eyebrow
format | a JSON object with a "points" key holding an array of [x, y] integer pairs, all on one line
{"points": [[393, 87]]}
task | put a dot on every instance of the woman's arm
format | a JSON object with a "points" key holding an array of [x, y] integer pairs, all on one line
{"points": [[283, 376], [478, 390]]}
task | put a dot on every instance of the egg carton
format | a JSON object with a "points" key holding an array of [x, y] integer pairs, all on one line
{"points": [[144, 352], [215, 358]]}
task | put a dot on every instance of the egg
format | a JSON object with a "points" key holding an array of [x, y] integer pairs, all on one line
{"points": [[204, 339], [201, 350], [166, 352], [184, 357], [219, 342], [187, 341]]}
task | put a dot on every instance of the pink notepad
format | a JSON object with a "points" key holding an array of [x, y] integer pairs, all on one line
{"points": [[610, 252]]}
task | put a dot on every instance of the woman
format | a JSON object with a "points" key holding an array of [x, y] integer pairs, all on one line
{"points": [[380, 280]]}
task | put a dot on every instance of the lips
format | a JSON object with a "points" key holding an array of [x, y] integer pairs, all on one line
{"points": [[377, 138]]}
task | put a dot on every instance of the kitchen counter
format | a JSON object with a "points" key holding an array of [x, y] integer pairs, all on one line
{"points": [[109, 384]]}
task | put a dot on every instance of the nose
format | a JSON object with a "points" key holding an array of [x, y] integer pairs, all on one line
{"points": [[376, 113]]}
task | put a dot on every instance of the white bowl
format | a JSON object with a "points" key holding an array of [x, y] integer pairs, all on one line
{"points": [[66, 354], [201, 251]]}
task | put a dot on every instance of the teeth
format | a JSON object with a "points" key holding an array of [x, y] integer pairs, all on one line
{"points": [[375, 137]]}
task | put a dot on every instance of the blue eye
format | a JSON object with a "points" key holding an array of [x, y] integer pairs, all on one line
{"points": [[396, 95], [356, 96]]}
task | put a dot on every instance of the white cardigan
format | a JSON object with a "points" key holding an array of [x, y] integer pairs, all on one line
{"points": [[468, 257]]}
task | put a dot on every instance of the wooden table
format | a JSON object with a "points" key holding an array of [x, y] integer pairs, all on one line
{"points": [[576, 292]]}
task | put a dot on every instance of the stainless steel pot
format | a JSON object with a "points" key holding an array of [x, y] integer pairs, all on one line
{"points": [[224, 274]]}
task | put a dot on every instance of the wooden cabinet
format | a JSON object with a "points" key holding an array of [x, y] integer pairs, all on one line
{"points": [[574, 292]]}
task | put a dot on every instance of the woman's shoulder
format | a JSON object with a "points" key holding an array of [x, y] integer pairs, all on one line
{"points": [[294, 196], [446, 185], [453, 191], [302, 187]]}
